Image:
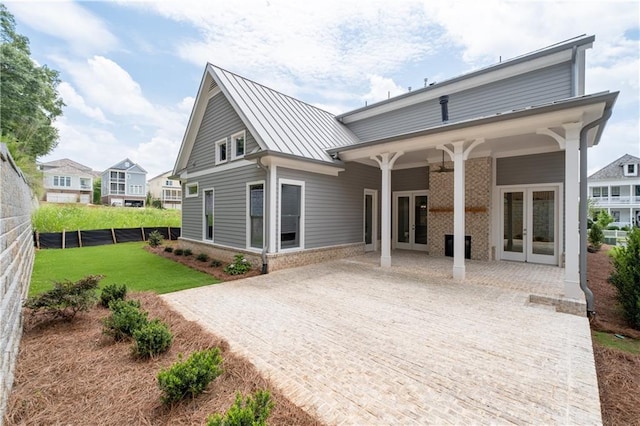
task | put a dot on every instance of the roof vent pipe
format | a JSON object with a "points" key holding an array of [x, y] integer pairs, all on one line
{"points": [[444, 107]]}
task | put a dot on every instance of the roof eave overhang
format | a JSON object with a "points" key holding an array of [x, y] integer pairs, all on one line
{"points": [[584, 109], [279, 159]]}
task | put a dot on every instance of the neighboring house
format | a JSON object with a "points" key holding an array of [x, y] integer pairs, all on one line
{"points": [[124, 184], [168, 191], [66, 181], [616, 189], [264, 173]]}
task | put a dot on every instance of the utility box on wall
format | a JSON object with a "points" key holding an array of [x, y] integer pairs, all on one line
{"points": [[448, 246]]}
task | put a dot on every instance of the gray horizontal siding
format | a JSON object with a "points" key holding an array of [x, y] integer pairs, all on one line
{"points": [[533, 88], [410, 179], [334, 205], [229, 206], [219, 121], [530, 169]]}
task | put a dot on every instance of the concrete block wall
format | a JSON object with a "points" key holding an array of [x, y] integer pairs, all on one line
{"points": [[478, 181], [16, 262]]}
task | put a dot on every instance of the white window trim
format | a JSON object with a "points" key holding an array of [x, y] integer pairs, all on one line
{"points": [[204, 222], [248, 218], [190, 185], [233, 145], [299, 183], [626, 169], [218, 143]]}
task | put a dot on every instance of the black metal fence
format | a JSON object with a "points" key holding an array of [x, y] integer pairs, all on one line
{"points": [[99, 237]]}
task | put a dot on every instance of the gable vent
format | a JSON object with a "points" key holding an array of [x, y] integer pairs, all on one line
{"points": [[212, 86]]}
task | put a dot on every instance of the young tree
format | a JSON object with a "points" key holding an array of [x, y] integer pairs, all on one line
{"points": [[29, 101], [97, 190]]}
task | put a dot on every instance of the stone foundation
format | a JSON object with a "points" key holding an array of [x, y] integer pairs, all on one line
{"points": [[478, 178], [276, 261]]}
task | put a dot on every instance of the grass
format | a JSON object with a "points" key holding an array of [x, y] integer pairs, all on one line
{"points": [[57, 217], [126, 263], [611, 341]]}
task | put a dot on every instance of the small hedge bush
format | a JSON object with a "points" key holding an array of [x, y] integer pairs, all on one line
{"points": [[596, 236], [66, 299], [154, 239], [188, 252], [152, 339], [168, 249], [112, 292], [126, 317], [239, 266], [190, 377], [215, 263], [252, 412], [202, 257], [178, 252], [626, 277]]}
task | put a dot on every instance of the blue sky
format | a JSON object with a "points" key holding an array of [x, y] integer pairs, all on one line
{"points": [[130, 70]]}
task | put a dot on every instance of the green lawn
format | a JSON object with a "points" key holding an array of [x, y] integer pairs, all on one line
{"points": [[127, 263], [609, 340]]}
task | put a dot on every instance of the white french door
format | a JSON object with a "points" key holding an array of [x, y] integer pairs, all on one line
{"points": [[530, 219], [370, 222], [410, 210]]}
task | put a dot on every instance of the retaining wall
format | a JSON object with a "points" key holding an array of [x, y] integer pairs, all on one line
{"points": [[16, 262]]}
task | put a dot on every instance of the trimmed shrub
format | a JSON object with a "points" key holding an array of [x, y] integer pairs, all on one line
{"points": [[66, 299], [168, 249], [178, 252], [188, 252], [254, 411], [190, 377], [202, 257], [155, 239], [112, 292], [626, 277], [239, 266], [126, 317], [596, 236], [215, 263], [152, 339]]}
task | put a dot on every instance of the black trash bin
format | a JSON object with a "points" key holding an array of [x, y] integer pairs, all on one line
{"points": [[448, 246]]}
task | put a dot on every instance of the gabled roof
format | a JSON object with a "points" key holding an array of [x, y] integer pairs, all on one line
{"points": [[69, 171], [65, 162], [165, 175], [127, 165], [615, 169], [279, 123]]}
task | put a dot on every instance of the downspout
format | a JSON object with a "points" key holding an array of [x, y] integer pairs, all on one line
{"points": [[265, 236], [584, 285]]}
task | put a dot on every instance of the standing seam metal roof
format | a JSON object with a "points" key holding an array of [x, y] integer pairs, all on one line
{"points": [[282, 123]]}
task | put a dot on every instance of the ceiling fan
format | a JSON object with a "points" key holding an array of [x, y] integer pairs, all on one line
{"points": [[442, 168]]}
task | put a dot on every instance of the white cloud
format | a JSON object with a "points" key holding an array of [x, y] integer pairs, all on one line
{"points": [[382, 88], [66, 20], [73, 100], [623, 135]]}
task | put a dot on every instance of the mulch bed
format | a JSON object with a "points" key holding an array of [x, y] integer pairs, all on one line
{"points": [[618, 371], [68, 372]]}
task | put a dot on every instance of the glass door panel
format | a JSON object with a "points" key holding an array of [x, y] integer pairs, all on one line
{"points": [[368, 219], [543, 235], [513, 222], [208, 215], [420, 219], [403, 220]]}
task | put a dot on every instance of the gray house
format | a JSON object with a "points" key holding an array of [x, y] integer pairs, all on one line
{"points": [[124, 184], [482, 166], [66, 181]]}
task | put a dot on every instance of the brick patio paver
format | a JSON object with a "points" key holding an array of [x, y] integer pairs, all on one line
{"points": [[356, 344]]}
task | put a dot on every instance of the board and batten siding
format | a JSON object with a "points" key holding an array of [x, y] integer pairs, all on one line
{"points": [[229, 205], [530, 169], [532, 88], [416, 179], [220, 121], [334, 205]]}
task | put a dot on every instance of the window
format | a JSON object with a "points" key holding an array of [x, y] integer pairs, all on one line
{"points": [[616, 215], [238, 142], [631, 170], [117, 175], [615, 191], [221, 151], [168, 183], [192, 190], [84, 183], [255, 215], [62, 181], [291, 214], [135, 189], [208, 215], [600, 191]]}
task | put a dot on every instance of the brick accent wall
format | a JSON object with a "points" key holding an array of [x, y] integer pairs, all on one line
{"points": [[16, 262], [478, 180]]}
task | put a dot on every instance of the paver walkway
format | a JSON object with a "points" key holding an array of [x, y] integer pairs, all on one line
{"points": [[355, 344]]}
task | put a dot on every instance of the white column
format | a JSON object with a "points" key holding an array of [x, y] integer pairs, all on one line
{"points": [[572, 200], [459, 155], [271, 230], [386, 165]]}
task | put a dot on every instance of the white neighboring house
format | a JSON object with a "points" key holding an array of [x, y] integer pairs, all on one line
{"points": [[168, 191], [616, 189], [66, 181]]}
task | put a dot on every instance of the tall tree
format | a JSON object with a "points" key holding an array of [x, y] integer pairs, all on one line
{"points": [[29, 100]]}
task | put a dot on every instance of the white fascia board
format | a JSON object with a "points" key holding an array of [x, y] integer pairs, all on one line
{"points": [[217, 169], [306, 166], [460, 85]]}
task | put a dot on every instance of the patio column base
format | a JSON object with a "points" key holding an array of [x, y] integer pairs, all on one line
{"points": [[385, 261], [572, 290], [459, 273]]}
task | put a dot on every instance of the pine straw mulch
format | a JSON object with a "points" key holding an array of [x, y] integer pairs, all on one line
{"points": [[618, 371], [70, 373]]}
